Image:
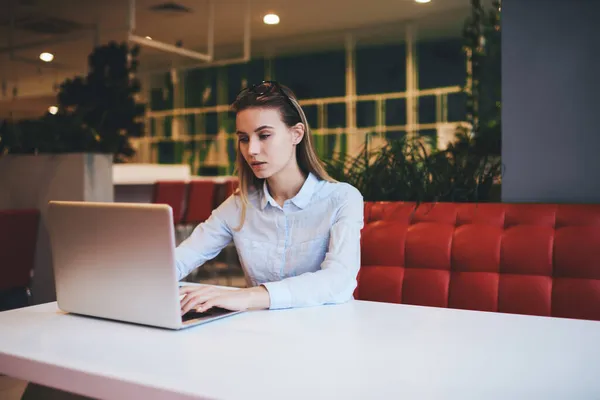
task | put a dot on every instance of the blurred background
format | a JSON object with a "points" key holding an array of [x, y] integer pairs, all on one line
{"points": [[403, 98], [365, 72]]}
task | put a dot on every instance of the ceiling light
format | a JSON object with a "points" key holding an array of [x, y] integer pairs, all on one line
{"points": [[271, 19], [148, 37], [47, 57], [422, 1], [53, 110]]}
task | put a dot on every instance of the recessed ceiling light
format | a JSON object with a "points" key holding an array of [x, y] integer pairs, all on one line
{"points": [[148, 37], [47, 57], [53, 110], [422, 1], [271, 19]]}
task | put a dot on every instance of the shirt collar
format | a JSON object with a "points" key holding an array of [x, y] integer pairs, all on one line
{"points": [[301, 199]]}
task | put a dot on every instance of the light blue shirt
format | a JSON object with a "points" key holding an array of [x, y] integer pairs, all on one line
{"points": [[305, 253]]}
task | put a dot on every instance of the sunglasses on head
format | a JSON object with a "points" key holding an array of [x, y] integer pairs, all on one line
{"points": [[266, 88], [262, 89]]}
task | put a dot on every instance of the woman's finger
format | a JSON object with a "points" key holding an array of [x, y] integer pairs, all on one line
{"points": [[189, 299], [207, 305], [197, 300], [190, 305], [197, 291]]}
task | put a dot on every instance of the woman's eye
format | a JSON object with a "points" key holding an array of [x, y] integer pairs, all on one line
{"points": [[243, 139], [263, 137]]}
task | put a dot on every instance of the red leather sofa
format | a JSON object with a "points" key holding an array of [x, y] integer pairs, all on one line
{"points": [[18, 238], [536, 259]]}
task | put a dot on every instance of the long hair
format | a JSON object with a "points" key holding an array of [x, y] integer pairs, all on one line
{"points": [[283, 100]]}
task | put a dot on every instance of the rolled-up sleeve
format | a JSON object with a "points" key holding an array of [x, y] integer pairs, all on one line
{"points": [[336, 280], [207, 240]]}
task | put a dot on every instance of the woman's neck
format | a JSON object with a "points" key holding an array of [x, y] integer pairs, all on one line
{"points": [[286, 184]]}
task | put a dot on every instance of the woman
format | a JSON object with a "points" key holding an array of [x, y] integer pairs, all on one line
{"points": [[296, 230]]}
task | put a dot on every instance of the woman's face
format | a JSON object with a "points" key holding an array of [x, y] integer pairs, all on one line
{"points": [[266, 142]]}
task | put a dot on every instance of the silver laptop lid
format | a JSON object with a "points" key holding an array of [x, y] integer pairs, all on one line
{"points": [[116, 261]]}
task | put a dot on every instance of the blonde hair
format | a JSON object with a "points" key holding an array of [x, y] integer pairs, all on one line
{"points": [[283, 99]]}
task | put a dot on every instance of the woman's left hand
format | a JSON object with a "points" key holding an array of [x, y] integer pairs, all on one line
{"points": [[201, 298]]}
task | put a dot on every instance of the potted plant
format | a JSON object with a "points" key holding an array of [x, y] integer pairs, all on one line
{"points": [[69, 155]]}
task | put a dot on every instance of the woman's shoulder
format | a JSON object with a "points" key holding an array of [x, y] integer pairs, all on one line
{"points": [[341, 190], [339, 193]]}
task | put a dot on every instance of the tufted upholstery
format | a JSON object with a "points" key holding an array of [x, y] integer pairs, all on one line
{"points": [[537, 259]]}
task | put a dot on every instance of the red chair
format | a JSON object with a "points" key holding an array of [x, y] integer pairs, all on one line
{"points": [[171, 193], [18, 239], [200, 202]]}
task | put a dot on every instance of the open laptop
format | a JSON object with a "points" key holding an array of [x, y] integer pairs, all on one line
{"points": [[117, 261]]}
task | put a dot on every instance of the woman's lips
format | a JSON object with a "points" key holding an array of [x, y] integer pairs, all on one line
{"points": [[258, 165]]}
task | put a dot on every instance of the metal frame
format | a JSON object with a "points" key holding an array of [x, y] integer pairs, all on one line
{"points": [[155, 44], [208, 58]]}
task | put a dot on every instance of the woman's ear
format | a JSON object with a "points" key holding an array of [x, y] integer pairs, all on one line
{"points": [[297, 133]]}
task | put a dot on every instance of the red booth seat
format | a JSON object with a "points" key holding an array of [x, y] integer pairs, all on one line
{"points": [[537, 259], [18, 239]]}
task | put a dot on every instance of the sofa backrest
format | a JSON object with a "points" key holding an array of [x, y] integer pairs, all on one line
{"points": [[18, 239], [537, 259]]}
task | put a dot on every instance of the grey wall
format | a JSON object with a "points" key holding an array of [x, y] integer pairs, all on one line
{"points": [[551, 101]]}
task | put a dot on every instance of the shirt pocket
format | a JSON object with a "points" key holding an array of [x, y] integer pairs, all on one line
{"points": [[308, 256], [258, 259]]}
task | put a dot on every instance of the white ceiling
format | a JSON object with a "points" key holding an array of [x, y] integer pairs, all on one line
{"points": [[306, 25]]}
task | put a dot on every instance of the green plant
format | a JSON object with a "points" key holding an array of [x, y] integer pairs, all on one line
{"points": [[482, 49], [48, 134], [409, 170], [469, 169], [97, 113]]}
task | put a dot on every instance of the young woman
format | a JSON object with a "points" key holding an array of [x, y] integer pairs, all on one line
{"points": [[296, 230]]}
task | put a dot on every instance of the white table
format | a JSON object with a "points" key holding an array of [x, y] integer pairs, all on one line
{"points": [[358, 350]]}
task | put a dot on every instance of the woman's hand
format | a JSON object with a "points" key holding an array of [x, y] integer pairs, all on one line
{"points": [[201, 298]]}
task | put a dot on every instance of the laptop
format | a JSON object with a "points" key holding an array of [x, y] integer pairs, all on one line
{"points": [[117, 261]]}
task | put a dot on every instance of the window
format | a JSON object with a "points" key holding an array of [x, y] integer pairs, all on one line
{"points": [[381, 69], [441, 63], [313, 75], [395, 112], [240, 76], [426, 109], [336, 115], [201, 87], [365, 114]]}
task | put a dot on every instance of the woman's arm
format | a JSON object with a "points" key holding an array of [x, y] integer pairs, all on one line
{"points": [[336, 280], [207, 239]]}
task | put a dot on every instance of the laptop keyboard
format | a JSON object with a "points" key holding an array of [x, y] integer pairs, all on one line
{"points": [[211, 312]]}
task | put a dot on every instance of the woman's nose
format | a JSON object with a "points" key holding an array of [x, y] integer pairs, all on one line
{"points": [[254, 146]]}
